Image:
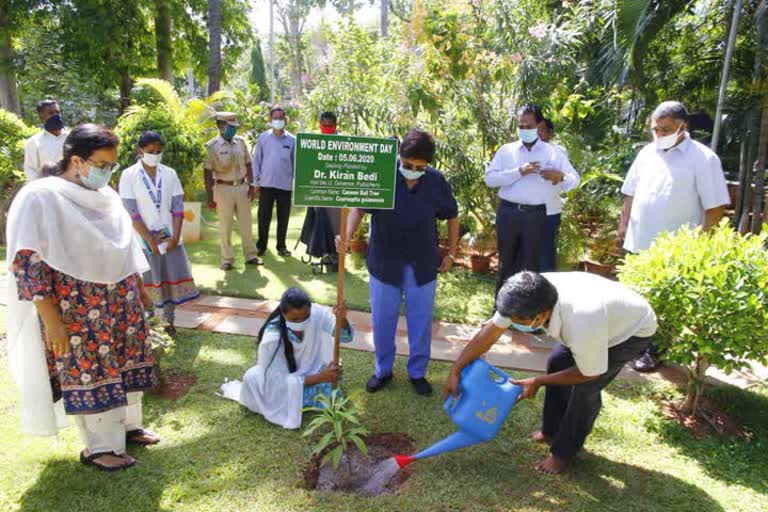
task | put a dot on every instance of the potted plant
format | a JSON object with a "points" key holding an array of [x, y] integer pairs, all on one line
{"points": [[482, 246], [359, 242], [604, 253]]}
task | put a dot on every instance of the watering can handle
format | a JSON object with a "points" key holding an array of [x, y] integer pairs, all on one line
{"points": [[450, 403]]}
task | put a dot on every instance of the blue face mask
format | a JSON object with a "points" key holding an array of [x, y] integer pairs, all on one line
{"points": [[297, 326], [528, 136], [411, 175], [525, 328], [97, 177], [229, 132], [54, 123]]}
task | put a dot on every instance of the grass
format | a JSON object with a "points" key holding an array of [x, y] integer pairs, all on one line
{"points": [[462, 296], [215, 455]]}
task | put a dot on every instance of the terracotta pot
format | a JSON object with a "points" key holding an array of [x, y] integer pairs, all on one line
{"points": [[480, 264], [601, 269], [358, 246]]}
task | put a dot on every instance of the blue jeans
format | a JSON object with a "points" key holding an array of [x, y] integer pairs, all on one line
{"points": [[549, 245], [385, 311]]}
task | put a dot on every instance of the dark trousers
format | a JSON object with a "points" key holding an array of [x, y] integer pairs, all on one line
{"points": [[570, 411], [267, 199], [549, 248], [520, 234]]}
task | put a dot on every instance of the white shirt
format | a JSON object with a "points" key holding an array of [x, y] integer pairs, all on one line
{"points": [[671, 189], [40, 149], [504, 173], [555, 202], [593, 314], [132, 186]]}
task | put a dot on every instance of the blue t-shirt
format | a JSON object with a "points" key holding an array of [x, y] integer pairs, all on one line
{"points": [[407, 235]]}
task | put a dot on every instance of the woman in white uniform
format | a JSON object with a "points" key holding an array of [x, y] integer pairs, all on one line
{"points": [[295, 363]]}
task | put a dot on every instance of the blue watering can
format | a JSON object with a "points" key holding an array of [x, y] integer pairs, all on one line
{"points": [[487, 396]]}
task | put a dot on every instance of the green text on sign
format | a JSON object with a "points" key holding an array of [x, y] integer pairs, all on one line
{"points": [[342, 171]]}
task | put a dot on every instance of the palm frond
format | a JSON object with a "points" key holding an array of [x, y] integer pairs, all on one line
{"points": [[166, 92]]}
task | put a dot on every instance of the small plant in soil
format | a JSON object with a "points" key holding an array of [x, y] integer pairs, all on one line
{"points": [[336, 416]]}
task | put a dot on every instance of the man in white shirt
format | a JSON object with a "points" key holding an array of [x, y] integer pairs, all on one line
{"points": [[674, 181], [554, 204], [601, 325], [46, 146], [526, 172]]}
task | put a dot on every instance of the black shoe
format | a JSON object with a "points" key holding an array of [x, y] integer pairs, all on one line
{"points": [[647, 363], [376, 383], [422, 386], [285, 253], [254, 261], [171, 331], [260, 252], [226, 267]]}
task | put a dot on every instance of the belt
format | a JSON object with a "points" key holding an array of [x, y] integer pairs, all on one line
{"points": [[234, 183], [524, 207]]}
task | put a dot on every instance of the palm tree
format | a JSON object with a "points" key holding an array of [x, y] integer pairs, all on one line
{"points": [[214, 46]]}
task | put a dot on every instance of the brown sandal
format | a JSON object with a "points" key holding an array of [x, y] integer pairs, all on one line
{"points": [[91, 460], [131, 435]]}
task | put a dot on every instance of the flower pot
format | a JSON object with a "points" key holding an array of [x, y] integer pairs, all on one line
{"points": [[594, 267], [190, 231], [358, 246], [480, 264]]}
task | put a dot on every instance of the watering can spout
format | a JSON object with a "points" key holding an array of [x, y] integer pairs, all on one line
{"points": [[453, 442]]}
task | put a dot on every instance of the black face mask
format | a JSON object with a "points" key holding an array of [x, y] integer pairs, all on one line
{"points": [[54, 123]]}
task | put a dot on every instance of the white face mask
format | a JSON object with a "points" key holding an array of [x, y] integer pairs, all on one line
{"points": [[278, 124], [297, 326], [528, 136], [151, 159], [666, 141]]}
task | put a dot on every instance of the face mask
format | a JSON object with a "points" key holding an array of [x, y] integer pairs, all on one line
{"points": [[297, 326], [278, 124], [525, 328], [666, 141], [229, 132], [411, 175], [96, 178], [328, 130], [54, 123], [528, 136], [151, 159]]}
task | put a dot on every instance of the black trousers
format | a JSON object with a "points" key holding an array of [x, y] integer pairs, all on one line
{"points": [[570, 411], [267, 199], [521, 234]]}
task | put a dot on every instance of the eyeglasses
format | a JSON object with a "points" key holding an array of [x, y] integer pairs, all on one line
{"points": [[105, 167], [414, 169]]}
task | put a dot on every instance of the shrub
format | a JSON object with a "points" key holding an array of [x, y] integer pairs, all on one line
{"points": [[13, 134], [710, 292]]}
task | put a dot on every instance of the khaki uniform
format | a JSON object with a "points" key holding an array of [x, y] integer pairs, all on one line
{"points": [[228, 160]]}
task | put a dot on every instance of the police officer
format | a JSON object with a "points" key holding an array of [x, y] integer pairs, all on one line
{"points": [[229, 188]]}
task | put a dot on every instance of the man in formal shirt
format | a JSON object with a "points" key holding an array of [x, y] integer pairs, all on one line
{"points": [[554, 204], [673, 182], [273, 177], [46, 146], [229, 189], [526, 172], [601, 325]]}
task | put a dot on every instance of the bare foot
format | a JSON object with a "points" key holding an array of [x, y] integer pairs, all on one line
{"points": [[552, 465], [141, 436], [540, 437]]}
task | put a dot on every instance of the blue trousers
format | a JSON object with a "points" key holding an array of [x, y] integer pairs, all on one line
{"points": [[385, 311], [549, 245]]}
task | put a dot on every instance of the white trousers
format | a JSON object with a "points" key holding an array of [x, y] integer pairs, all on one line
{"points": [[105, 431]]}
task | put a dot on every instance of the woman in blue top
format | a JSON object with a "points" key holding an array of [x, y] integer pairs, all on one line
{"points": [[403, 258]]}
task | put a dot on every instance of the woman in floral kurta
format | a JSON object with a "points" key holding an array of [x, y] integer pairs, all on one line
{"points": [[111, 354]]}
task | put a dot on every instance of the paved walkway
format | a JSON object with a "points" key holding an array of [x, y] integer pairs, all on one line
{"points": [[514, 351]]}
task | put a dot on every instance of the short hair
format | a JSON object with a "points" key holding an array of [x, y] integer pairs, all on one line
{"points": [[671, 109], [329, 116], [46, 103], [418, 143], [525, 295], [276, 108], [530, 108], [548, 123], [150, 137]]}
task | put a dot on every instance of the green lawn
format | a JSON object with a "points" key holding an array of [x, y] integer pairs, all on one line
{"points": [[215, 455], [461, 296]]}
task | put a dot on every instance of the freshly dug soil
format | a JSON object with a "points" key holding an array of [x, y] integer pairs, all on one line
{"points": [[381, 446], [174, 384]]}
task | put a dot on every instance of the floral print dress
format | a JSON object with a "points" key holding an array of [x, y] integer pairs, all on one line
{"points": [[110, 350]]}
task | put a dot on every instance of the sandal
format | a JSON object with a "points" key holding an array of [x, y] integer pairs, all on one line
{"points": [[92, 460], [132, 435]]}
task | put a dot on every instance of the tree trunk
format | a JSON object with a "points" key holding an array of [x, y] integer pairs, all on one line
{"points": [[163, 40], [9, 94], [760, 165], [384, 18], [297, 68], [214, 46], [695, 386], [126, 84]]}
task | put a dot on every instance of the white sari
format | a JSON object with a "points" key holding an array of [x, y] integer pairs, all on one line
{"points": [[83, 233]]}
